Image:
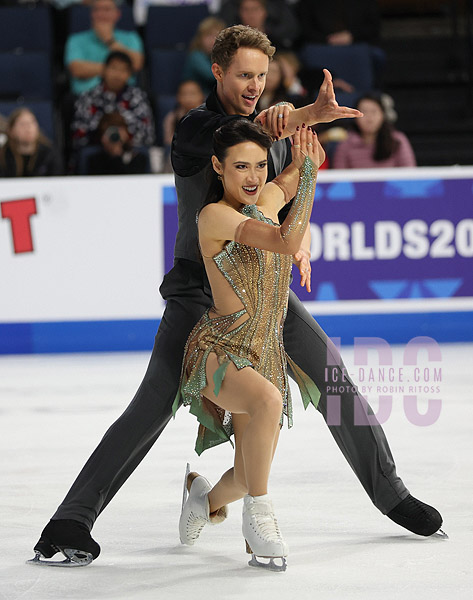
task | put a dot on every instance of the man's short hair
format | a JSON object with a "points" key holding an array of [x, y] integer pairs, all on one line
{"points": [[230, 39], [122, 57]]}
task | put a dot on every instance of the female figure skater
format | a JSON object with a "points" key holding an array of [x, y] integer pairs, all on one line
{"points": [[248, 258]]}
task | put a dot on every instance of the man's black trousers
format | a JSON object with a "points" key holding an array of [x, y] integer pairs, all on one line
{"points": [[129, 439]]}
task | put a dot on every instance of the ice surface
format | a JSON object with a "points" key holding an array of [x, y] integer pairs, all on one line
{"points": [[54, 409]]}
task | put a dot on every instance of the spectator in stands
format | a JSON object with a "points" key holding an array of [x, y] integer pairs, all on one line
{"points": [[27, 152], [86, 51], [374, 142], [189, 95], [117, 155], [339, 22], [275, 18], [113, 94], [303, 83], [275, 90], [198, 66]]}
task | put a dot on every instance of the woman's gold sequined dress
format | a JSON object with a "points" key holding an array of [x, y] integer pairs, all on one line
{"points": [[249, 337]]}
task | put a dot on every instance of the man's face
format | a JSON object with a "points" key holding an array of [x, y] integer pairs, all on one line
{"points": [[104, 12], [241, 85], [115, 75]]}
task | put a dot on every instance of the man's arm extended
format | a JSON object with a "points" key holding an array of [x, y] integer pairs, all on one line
{"points": [[325, 109]]}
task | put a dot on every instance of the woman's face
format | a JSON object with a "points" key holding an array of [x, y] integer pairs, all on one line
{"points": [[372, 118], [25, 129], [244, 172]]}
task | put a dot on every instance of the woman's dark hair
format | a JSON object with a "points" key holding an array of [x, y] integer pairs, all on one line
{"points": [[235, 131], [385, 144]]}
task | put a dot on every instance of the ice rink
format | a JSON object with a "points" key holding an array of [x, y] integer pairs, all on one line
{"points": [[54, 409]]}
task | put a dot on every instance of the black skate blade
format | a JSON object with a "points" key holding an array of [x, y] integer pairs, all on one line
{"points": [[269, 566], [74, 558], [440, 535]]}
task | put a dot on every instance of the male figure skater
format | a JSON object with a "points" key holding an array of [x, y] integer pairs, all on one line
{"points": [[240, 59]]}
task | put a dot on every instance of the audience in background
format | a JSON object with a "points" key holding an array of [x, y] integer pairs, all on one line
{"points": [[26, 152], [86, 51], [189, 95], [303, 83], [275, 90], [198, 66], [339, 22], [374, 142], [117, 156], [274, 17], [113, 94]]}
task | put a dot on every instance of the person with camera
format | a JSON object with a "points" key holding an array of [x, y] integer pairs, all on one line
{"points": [[116, 156], [113, 94]]}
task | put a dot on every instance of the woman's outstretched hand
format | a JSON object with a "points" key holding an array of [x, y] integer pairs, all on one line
{"points": [[306, 144]]}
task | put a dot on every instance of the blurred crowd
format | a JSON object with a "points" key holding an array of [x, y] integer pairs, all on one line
{"points": [[124, 73]]}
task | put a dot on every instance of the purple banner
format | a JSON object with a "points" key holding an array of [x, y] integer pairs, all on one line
{"points": [[382, 239]]}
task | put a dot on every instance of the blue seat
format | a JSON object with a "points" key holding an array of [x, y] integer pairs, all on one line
{"points": [[25, 29], [163, 103], [42, 109], [26, 75], [173, 26], [165, 68], [78, 18], [352, 63]]}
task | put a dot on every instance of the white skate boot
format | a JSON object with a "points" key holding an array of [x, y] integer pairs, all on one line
{"points": [[261, 533], [195, 508]]}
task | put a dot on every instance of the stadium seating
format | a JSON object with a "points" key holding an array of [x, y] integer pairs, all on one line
{"points": [[24, 29], [163, 103], [173, 26], [351, 63], [26, 75], [165, 69]]}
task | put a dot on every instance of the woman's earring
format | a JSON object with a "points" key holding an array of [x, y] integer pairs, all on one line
{"points": [[219, 177]]}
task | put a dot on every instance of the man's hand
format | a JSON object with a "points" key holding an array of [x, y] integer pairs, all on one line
{"points": [[302, 260], [326, 109], [275, 118]]}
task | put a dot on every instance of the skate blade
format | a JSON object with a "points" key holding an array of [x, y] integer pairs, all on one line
{"points": [[269, 566], [184, 491], [440, 535], [74, 558]]}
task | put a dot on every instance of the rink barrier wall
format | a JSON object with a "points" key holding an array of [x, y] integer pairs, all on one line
{"points": [[138, 335], [81, 259]]}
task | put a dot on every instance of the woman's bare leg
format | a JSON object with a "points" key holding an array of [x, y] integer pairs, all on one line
{"points": [[246, 393], [232, 485]]}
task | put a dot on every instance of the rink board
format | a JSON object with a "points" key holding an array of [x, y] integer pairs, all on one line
{"points": [[81, 259]]}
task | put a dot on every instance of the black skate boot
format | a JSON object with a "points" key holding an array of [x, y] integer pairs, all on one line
{"points": [[70, 537], [418, 517]]}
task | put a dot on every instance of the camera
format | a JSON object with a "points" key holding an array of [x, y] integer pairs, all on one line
{"points": [[113, 134]]}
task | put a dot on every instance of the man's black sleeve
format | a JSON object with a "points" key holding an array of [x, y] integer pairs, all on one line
{"points": [[192, 142]]}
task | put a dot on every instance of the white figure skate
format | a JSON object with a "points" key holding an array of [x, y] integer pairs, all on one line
{"points": [[262, 535], [195, 508]]}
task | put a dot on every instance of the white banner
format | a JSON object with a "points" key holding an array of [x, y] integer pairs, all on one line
{"points": [[81, 248]]}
